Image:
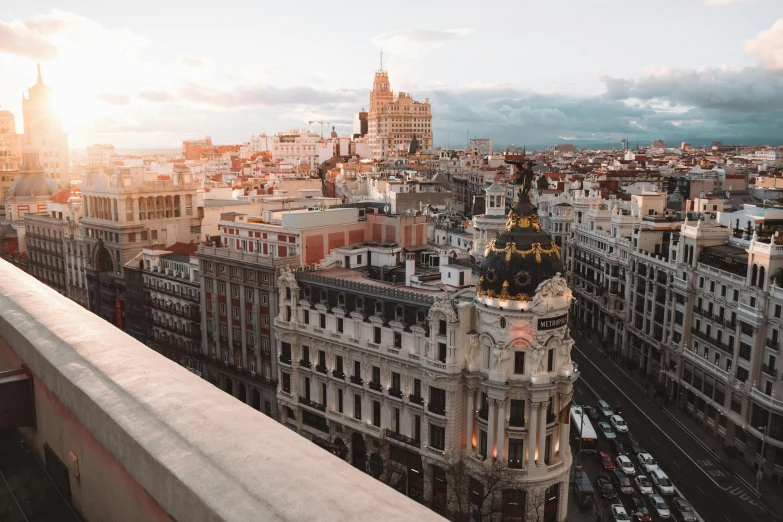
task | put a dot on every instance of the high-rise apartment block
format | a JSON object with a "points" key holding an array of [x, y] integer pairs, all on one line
{"points": [[395, 120], [43, 131]]}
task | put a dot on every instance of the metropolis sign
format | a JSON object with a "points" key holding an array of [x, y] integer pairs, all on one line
{"points": [[551, 323]]}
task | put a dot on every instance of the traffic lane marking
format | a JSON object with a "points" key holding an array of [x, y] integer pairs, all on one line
{"points": [[740, 494]]}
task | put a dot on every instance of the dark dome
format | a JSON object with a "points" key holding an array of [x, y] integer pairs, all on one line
{"points": [[413, 146], [542, 183], [520, 258], [31, 181]]}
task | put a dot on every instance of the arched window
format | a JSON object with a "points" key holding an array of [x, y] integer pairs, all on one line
{"points": [[761, 277], [754, 274]]}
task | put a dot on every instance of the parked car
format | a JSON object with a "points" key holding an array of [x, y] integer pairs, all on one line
{"points": [[647, 462], [639, 510], [643, 485], [662, 482], [634, 445], [606, 430], [619, 514], [606, 460], [604, 408], [604, 485], [591, 412], [618, 424], [621, 481], [625, 464], [683, 509], [619, 447], [660, 507]]}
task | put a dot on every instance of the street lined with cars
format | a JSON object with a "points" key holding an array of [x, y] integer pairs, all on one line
{"points": [[666, 449]]}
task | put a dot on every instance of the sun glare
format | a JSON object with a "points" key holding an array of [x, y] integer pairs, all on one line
{"points": [[77, 106]]}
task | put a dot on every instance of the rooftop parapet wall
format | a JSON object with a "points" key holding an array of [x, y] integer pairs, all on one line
{"points": [[155, 441]]}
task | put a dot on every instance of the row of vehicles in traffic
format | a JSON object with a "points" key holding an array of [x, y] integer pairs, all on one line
{"points": [[633, 472]]}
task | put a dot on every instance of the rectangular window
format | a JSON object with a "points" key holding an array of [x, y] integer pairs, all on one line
{"points": [[376, 414], [442, 352], [550, 364], [338, 364], [442, 327], [437, 437], [437, 400], [306, 354], [357, 406], [377, 335], [515, 457], [322, 321], [395, 381], [397, 340], [376, 374], [286, 382], [339, 401], [340, 324], [416, 431], [519, 362], [417, 387], [777, 315], [307, 317], [482, 443], [517, 414], [357, 369], [249, 296], [235, 312], [744, 351]]}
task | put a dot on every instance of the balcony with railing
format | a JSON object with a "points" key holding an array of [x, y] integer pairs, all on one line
{"points": [[403, 438], [118, 440], [769, 370]]}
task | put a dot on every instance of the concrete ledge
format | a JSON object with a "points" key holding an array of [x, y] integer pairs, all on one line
{"points": [[200, 454]]}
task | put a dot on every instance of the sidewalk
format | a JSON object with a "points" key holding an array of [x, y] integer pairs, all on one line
{"points": [[770, 492]]}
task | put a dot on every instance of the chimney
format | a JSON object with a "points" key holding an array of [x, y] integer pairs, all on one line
{"points": [[410, 267]]}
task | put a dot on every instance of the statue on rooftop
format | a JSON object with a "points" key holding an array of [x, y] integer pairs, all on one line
{"points": [[524, 174]]}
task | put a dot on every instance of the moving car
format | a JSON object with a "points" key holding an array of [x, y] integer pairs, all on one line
{"points": [[592, 414], [683, 509], [606, 430], [661, 482], [618, 424], [625, 464], [643, 485], [647, 462], [621, 482], [604, 485], [639, 510], [604, 408], [606, 460], [659, 506], [619, 514], [620, 448]]}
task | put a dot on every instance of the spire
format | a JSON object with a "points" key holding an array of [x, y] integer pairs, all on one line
{"points": [[38, 66], [381, 69]]}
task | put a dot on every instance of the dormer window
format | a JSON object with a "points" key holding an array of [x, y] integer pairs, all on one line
{"points": [[378, 307], [399, 311]]}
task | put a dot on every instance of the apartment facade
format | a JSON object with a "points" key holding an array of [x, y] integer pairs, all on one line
{"points": [[124, 213], [694, 301], [10, 152]]}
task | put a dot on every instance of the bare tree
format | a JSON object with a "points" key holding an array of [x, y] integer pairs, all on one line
{"points": [[536, 499], [475, 487]]}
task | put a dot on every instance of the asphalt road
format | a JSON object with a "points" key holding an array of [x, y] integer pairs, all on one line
{"points": [[712, 494]]}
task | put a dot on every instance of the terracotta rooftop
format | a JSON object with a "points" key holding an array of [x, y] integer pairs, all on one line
{"points": [[188, 249], [62, 196]]}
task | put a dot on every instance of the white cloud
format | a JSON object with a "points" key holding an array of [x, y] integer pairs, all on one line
{"points": [[768, 46], [412, 42]]}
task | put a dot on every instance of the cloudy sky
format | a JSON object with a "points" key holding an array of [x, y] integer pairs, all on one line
{"points": [[151, 74]]}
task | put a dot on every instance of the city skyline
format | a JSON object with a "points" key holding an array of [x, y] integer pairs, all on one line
{"points": [[589, 75]]}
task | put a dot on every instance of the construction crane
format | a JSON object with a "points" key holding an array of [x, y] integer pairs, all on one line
{"points": [[336, 122]]}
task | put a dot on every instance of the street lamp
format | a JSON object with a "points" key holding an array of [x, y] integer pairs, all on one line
{"points": [[760, 472]]}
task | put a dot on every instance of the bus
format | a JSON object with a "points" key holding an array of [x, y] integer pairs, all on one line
{"points": [[582, 432]]}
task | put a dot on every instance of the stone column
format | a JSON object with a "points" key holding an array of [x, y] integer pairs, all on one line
{"points": [[542, 432], [501, 433], [531, 434], [565, 448], [471, 414], [491, 428]]}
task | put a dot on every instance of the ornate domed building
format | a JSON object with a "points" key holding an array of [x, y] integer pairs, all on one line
{"points": [[522, 370], [31, 190]]}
